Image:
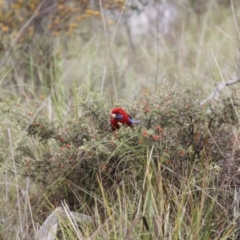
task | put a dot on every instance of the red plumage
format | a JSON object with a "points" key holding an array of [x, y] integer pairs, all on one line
{"points": [[118, 115]]}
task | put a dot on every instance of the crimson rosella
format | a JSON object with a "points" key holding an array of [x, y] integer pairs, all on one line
{"points": [[118, 115]]}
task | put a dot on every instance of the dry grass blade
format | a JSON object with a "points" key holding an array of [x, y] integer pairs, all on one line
{"points": [[136, 219]]}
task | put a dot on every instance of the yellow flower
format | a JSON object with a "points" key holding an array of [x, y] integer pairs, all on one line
{"points": [[73, 25], [4, 28], [60, 7]]}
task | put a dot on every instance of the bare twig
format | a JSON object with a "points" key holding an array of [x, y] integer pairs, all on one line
{"points": [[219, 87]]}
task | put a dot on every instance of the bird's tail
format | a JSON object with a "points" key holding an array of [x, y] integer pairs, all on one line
{"points": [[135, 121]]}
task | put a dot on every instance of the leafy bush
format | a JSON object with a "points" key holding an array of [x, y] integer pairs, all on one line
{"points": [[180, 134]]}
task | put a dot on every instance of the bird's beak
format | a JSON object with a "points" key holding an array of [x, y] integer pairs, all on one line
{"points": [[113, 115]]}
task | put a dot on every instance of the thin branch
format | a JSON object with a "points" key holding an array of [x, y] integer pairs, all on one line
{"points": [[219, 87]]}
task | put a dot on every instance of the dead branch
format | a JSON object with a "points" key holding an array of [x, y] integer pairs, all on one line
{"points": [[219, 87], [49, 228]]}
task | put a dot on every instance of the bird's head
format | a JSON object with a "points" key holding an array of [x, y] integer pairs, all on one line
{"points": [[118, 114]]}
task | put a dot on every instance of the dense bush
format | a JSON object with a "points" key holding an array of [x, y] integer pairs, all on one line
{"points": [[182, 139]]}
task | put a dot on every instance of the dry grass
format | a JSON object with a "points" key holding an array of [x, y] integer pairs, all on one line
{"points": [[48, 76]]}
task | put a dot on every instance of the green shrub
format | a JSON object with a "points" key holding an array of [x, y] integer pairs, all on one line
{"points": [[177, 139]]}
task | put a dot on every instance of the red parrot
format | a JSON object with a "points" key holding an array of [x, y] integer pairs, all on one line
{"points": [[118, 115]]}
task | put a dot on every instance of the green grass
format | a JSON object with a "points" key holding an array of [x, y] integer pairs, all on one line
{"points": [[146, 197]]}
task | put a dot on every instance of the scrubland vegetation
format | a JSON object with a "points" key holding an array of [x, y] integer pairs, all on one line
{"points": [[174, 176]]}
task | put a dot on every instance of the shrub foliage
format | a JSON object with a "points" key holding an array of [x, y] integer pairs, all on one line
{"points": [[177, 138]]}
